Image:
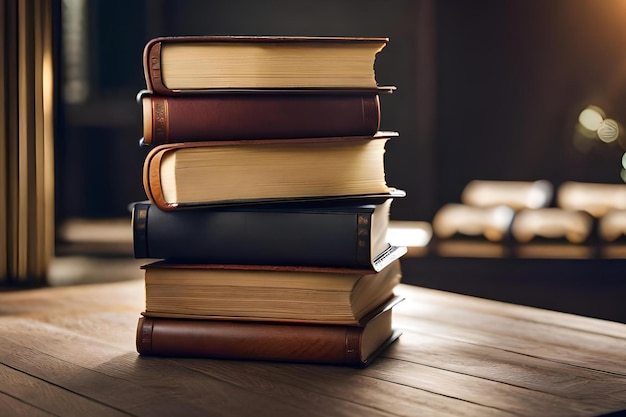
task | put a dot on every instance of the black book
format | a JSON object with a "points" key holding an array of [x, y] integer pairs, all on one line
{"points": [[351, 235]]}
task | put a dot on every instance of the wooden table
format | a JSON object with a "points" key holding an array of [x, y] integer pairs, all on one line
{"points": [[69, 351]]}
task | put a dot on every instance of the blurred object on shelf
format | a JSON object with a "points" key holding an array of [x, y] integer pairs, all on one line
{"points": [[552, 223], [612, 251], [515, 194], [554, 250], [589, 221], [90, 269], [595, 198], [461, 219], [470, 248], [612, 226], [415, 235], [95, 236]]}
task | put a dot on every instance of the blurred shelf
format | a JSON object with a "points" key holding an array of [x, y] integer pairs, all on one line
{"points": [[586, 280]]}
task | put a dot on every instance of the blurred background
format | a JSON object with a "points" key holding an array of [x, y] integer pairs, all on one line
{"points": [[519, 90], [488, 90]]}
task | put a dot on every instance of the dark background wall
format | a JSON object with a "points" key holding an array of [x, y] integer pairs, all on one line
{"points": [[487, 89]]}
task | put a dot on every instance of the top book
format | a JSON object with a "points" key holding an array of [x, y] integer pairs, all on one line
{"points": [[203, 63]]}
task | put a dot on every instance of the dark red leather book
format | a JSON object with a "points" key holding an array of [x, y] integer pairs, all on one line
{"points": [[223, 116], [297, 342]]}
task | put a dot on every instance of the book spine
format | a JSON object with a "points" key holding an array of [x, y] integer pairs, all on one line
{"points": [[152, 67], [249, 340], [152, 179], [274, 237], [254, 116]]}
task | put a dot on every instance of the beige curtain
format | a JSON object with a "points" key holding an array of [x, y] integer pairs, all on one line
{"points": [[26, 139]]}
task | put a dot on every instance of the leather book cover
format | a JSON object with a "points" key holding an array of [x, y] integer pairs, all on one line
{"points": [[152, 53], [227, 116], [152, 170], [288, 234], [269, 341]]}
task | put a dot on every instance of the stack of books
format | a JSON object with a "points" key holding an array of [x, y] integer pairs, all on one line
{"points": [[268, 205]]}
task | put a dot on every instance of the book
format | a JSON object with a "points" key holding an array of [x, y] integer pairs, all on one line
{"points": [[288, 342], [252, 115], [199, 63], [262, 292], [314, 234], [217, 172]]}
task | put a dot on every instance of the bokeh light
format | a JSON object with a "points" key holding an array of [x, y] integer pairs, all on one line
{"points": [[591, 118], [608, 131]]}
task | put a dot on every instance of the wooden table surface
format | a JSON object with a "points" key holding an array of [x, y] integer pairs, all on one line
{"points": [[70, 351]]}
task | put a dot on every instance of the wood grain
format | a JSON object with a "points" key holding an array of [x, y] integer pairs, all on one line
{"points": [[40, 395], [10, 406]]}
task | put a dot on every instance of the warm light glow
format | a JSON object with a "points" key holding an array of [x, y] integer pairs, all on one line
{"points": [[409, 233], [552, 222], [595, 198], [514, 194], [612, 225], [591, 118], [582, 139], [540, 194], [491, 222], [608, 131]]}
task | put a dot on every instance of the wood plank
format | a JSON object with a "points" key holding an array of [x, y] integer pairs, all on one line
{"points": [[107, 312], [42, 395], [317, 384], [475, 390], [116, 328], [128, 295], [13, 407], [557, 344], [422, 299], [586, 390]]}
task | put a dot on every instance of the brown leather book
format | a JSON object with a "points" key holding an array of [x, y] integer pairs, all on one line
{"points": [[199, 63], [224, 116], [298, 342], [197, 174]]}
